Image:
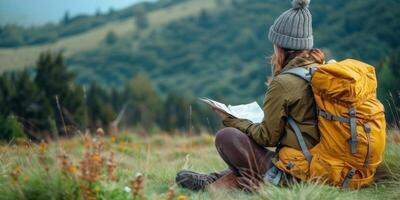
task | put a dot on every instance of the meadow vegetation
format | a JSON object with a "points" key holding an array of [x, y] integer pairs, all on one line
{"points": [[130, 166]]}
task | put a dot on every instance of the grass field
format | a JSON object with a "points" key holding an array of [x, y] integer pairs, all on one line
{"points": [[83, 168], [20, 57]]}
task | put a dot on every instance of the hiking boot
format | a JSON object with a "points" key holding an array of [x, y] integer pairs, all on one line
{"points": [[228, 181], [195, 181]]}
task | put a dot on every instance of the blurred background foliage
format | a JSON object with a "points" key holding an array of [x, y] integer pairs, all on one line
{"points": [[154, 74]]}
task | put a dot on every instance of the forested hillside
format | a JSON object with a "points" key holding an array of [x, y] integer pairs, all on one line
{"points": [[223, 54], [17, 36]]}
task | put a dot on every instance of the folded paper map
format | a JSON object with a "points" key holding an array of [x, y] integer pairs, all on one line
{"points": [[251, 111]]}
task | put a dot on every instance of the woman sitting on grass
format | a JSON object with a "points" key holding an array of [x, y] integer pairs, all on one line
{"points": [[350, 129], [241, 144]]}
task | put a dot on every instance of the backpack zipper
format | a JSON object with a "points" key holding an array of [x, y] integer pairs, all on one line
{"points": [[367, 130]]}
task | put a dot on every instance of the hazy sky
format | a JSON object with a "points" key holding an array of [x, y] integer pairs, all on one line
{"points": [[28, 12]]}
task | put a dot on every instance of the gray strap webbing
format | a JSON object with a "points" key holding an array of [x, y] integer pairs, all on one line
{"points": [[300, 72], [348, 178], [273, 175], [367, 130], [331, 117], [353, 128], [300, 139]]}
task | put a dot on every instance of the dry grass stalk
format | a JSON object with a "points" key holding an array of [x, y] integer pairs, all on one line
{"points": [[87, 192], [396, 136], [100, 132], [67, 167], [90, 167], [42, 155], [111, 168], [136, 186], [86, 141]]}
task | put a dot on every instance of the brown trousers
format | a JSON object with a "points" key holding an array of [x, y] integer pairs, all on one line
{"points": [[247, 161]]}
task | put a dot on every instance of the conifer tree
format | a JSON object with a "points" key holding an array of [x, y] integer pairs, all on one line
{"points": [[144, 104], [99, 107], [176, 113], [56, 82], [141, 20], [111, 37]]}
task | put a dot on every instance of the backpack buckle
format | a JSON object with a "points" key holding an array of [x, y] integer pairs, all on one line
{"points": [[352, 112], [311, 70]]}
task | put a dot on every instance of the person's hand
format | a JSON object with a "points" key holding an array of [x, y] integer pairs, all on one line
{"points": [[221, 114]]}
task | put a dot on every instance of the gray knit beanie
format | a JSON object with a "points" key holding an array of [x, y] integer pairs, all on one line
{"points": [[293, 29]]}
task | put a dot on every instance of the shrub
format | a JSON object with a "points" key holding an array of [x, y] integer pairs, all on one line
{"points": [[10, 128]]}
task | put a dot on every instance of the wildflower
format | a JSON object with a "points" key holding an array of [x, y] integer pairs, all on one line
{"points": [[127, 189], [72, 169], [26, 179], [181, 197], [97, 189], [170, 194], [92, 163], [113, 138], [42, 147], [15, 173], [42, 155], [66, 165], [96, 157]]}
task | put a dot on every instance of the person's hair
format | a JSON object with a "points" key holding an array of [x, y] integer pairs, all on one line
{"points": [[282, 57]]}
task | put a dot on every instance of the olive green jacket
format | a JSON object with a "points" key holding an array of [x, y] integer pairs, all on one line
{"points": [[287, 95]]}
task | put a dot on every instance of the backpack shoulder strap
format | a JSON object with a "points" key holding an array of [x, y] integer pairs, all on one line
{"points": [[301, 72], [306, 75]]}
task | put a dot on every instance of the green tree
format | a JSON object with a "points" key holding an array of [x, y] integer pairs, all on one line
{"points": [[21, 99], [7, 93], [141, 20], [99, 107], [144, 104], [57, 84], [66, 18], [111, 37], [10, 128], [204, 19], [30, 105], [176, 113]]}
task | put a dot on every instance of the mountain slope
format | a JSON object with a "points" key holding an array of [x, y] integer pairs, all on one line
{"points": [[222, 54], [18, 57]]}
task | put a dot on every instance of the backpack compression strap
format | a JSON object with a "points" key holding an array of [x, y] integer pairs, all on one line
{"points": [[306, 75], [300, 139]]}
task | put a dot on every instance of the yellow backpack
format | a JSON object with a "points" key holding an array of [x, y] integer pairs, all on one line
{"points": [[351, 122]]}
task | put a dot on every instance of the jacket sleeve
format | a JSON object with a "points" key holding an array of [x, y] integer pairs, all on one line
{"points": [[269, 131]]}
